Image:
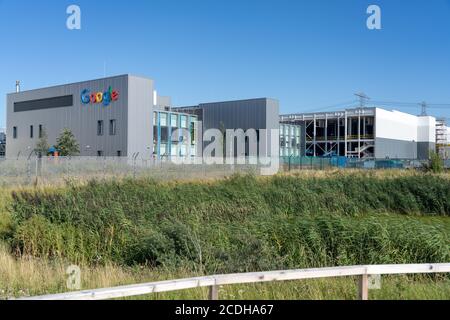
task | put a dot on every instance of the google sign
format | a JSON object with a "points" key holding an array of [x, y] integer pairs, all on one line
{"points": [[99, 97]]}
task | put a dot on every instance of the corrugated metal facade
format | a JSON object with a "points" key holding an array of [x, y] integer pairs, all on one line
{"points": [[81, 119], [255, 114]]}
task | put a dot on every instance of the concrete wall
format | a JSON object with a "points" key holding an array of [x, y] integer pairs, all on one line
{"points": [[80, 118]]}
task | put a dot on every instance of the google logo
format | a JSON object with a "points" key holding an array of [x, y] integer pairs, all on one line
{"points": [[99, 97]]}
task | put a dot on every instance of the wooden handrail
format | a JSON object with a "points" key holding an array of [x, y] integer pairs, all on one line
{"points": [[213, 282]]}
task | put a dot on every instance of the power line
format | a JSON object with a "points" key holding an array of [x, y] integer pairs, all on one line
{"points": [[347, 104], [363, 98]]}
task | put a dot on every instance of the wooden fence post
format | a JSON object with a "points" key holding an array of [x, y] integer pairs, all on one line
{"points": [[214, 293], [363, 292]]}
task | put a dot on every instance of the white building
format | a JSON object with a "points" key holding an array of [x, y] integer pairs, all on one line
{"points": [[365, 133]]}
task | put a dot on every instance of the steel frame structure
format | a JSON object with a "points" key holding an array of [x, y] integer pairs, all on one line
{"points": [[348, 143], [441, 137]]}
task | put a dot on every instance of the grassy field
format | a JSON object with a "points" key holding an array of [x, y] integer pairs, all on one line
{"points": [[134, 231], [31, 276]]}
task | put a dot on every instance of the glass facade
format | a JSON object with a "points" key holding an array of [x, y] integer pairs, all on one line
{"points": [[290, 140], [166, 145]]}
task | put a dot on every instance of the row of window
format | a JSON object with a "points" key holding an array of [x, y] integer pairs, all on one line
{"points": [[112, 127], [100, 153], [290, 130], [174, 150], [40, 133], [165, 120], [100, 129]]}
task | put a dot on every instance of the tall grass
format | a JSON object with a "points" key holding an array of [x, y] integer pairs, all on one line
{"points": [[238, 224], [30, 276]]}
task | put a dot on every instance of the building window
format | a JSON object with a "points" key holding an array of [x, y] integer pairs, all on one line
{"points": [[100, 127], [112, 127], [31, 132], [184, 122], [165, 135], [99, 153], [155, 118], [173, 120], [174, 150], [14, 132], [163, 150], [41, 131], [163, 119], [193, 133]]}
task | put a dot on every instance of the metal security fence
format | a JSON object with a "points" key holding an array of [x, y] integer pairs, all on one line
{"points": [[51, 170], [318, 163]]}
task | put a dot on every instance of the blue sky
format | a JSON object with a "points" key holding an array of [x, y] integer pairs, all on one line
{"points": [[307, 54]]}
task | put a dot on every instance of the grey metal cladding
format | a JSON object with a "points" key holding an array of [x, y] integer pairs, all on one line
{"points": [[140, 117], [255, 114], [272, 114], [242, 114], [80, 118], [39, 104], [424, 149], [398, 149]]}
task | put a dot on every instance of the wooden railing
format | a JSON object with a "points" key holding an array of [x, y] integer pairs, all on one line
{"points": [[213, 282]]}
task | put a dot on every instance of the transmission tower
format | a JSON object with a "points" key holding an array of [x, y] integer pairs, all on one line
{"points": [[424, 106], [363, 99]]}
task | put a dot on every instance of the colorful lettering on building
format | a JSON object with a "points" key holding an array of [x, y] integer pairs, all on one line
{"points": [[99, 97]]}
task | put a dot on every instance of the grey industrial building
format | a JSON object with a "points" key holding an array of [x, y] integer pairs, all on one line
{"points": [[2, 143], [259, 114], [124, 116]]}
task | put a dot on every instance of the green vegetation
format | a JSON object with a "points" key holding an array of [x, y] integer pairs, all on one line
{"points": [[67, 145], [238, 224], [42, 145], [155, 231], [435, 164]]}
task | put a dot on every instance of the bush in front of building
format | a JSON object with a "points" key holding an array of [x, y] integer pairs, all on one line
{"points": [[435, 163], [67, 145]]}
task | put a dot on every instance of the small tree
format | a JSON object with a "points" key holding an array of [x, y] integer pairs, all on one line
{"points": [[42, 145], [435, 164], [67, 145]]}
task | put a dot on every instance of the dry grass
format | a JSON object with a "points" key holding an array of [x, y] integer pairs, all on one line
{"points": [[381, 174], [29, 277]]}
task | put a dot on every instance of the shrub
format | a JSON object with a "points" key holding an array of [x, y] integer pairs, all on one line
{"points": [[239, 224]]}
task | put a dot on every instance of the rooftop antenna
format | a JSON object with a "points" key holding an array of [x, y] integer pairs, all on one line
{"points": [[17, 86], [363, 98], [424, 106]]}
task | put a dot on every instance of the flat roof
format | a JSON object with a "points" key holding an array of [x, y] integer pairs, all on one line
{"points": [[78, 82], [328, 114]]}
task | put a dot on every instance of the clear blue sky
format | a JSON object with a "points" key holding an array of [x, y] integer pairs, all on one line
{"points": [[307, 54]]}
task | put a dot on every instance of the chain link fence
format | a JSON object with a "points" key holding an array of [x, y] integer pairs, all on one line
{"points": [[54, 170], [317, 163]]}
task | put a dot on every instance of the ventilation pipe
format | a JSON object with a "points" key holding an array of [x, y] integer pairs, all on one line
{"points": [[17, 86], [155, 98]]}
